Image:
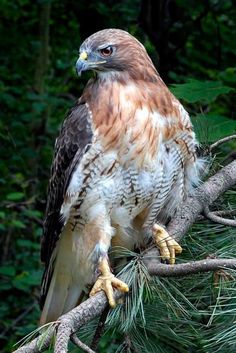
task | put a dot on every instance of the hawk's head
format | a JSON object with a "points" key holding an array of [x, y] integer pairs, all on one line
{"points": [[112, 50]]}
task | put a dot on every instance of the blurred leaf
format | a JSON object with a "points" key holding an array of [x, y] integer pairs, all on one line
{"points": [[25, 280], [32, 213], [18, 224], [25, 243], [15, 196], [229, 76], [199, 91], [8, 271], [2, 214]]}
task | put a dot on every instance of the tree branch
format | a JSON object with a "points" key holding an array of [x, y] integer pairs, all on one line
{"points": [[204, 196], [220, 142], [80, 344], [38, 344], [190, 268], [217, 219], [92, 307], [100, 328], [225, 213]]}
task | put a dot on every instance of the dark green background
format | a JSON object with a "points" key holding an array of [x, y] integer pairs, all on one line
{"points": [[192, 43]]}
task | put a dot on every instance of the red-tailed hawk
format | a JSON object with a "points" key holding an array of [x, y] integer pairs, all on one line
{"points": [[124, 161]]}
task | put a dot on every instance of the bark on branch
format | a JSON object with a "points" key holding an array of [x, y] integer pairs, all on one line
{"points": [[223, 140], [190, 268], [204, 196], [217, 219]]}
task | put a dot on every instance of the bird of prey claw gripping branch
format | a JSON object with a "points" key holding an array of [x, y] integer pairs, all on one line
{"points": [[168, 246], [106, 281], [124, 161]]}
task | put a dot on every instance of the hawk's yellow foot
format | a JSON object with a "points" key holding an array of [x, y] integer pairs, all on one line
{"points": [[167, 245], [106, 281]]}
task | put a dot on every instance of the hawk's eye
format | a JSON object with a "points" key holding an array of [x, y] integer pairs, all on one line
{"points": [[106, 51]]}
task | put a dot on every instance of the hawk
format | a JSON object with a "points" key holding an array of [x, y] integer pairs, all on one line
{"points": [[124, 161]]}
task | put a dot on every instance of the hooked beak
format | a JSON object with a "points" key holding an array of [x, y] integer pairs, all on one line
{"points": [[84, 64]]}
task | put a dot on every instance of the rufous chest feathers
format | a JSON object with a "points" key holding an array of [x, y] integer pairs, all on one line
{"points": [[129, 117]]}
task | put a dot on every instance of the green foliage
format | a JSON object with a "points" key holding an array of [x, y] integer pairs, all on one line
{"points": [[191, 40], [212, 124], [191, 314], [200, 91], [211, 127]]}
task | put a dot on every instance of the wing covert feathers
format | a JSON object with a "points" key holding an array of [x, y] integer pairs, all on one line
{"points": [[74, 139]]}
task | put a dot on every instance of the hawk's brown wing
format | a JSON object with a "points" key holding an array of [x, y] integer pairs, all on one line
{"points": [[75, 138]]}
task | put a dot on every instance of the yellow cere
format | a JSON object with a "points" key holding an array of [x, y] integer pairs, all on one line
{"points": [[83, 55]]}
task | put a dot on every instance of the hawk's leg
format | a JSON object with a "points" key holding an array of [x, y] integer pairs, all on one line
{"points": [[168, 247], [106, 281]]}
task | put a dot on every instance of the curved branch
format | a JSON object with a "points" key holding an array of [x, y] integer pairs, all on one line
{"points": [[217, 219], [204, 196], [77, 317], [38, 344], [80, 344], [190, 268], [94, 306], [225, 213], [220, 142]]}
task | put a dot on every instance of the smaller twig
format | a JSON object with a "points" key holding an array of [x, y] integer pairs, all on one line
{"points": [[225, 213], [222, 275], [100, 328], [219, 142], [129, 346], [217, 213], [217, 219], [80, 344], [188, 268]]}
